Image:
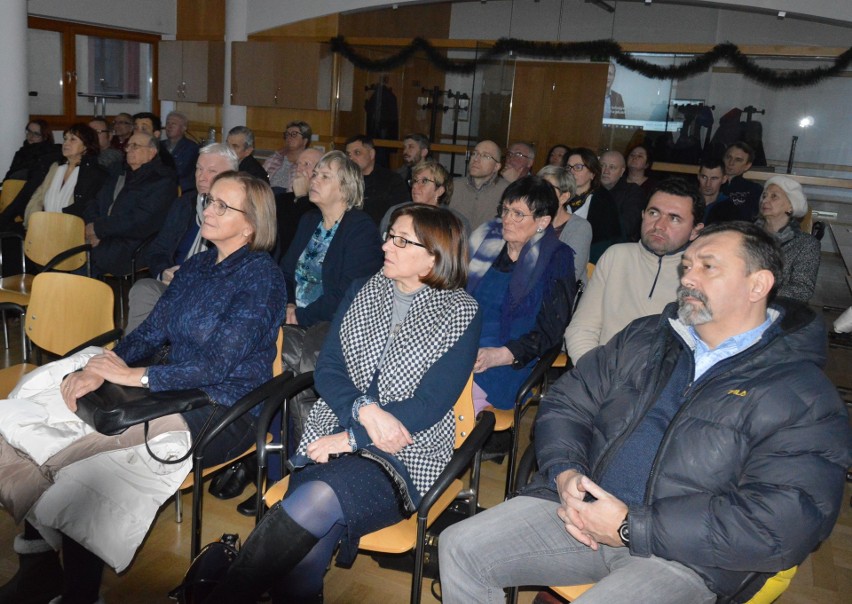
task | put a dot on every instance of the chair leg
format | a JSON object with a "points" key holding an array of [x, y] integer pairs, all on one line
{"points": [[5, 330], [179, 507], [417, 574], [24, 341]]}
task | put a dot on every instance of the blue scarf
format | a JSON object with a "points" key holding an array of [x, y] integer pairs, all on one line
{"points": [[486, 243]]}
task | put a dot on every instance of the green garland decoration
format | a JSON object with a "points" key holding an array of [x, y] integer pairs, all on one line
{"points": [[602, 50]]}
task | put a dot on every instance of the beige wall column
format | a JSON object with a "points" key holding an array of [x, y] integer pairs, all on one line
{"points": [[235, 31]]}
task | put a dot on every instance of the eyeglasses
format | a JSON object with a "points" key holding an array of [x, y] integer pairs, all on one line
{"points": [[517, 154], [292, 134], [32, 133], [219, 206], [135, 146], [515, 214], [576, 167], [402, 241], [422, 181], [478, 155]]}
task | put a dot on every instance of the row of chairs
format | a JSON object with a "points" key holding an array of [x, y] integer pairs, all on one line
{"points": [[56, 242]]}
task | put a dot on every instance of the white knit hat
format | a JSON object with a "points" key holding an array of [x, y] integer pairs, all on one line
{"points": [[793, 191]]}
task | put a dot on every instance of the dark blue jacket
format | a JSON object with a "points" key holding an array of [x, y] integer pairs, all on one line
{"points": [[750, 473], [160, 253], [355, 251], [221, 321], [185, 154], [124, 222]]}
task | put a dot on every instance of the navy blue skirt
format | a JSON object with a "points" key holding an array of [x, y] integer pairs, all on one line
{"points": [[367, 494]]}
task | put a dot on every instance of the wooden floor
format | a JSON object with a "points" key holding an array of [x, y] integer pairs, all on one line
{"points": [[824, 578]]}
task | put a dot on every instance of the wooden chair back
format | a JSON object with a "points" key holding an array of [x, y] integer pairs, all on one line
{"points": [[11, 188], [465, 416], [51, 233], [66, 309]]}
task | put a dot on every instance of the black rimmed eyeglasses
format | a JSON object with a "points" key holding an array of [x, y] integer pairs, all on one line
{"points": [[401, 242]]}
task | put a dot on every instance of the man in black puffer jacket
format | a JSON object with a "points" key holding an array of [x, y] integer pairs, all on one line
{"points": [[692, 457]]}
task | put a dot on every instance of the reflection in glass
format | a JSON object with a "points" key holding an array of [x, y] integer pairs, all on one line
{"points": [[117, 70]]}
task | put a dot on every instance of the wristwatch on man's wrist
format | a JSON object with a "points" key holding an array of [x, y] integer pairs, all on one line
{"points": [[624, 532], [144, 379]]}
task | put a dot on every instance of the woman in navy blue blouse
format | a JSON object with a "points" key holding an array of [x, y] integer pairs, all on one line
{"points": [[398, 354], [220, 318]]}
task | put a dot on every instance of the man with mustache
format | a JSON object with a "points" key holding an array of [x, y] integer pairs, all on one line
{"points": [[633, 280], [695, 455]]}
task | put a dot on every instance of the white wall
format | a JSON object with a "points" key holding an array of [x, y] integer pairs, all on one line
{"points": [[156, 16]]}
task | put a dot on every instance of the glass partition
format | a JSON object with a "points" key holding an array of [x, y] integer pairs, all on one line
{"points": [[112, 75], [44, 72]]}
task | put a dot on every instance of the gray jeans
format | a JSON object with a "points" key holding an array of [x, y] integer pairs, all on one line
{"points": [[523, 542]]}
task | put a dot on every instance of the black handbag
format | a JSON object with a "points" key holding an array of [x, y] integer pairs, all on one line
{"points": [[207, 570], [112, 409]]}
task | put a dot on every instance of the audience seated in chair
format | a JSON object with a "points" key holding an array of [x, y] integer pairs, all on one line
{"points": [[782, 207], [430, 184], [130, 207], [676, 460], [628, 197], [180, 238], [281, 167], [574, 231], [334, 244], [398, 355], [71, 184], [96, 496], [523, 278], [632, 280], [241, 141], [477, 195], [383, 188], [593, 201], [182, 150], [744, 194]]}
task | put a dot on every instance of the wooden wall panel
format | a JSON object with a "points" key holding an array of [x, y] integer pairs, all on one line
{"points": [[322, 27], [557, 103], [426, 21], [200, 20]]}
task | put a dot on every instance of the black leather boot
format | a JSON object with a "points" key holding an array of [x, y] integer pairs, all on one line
{"points": [[274, 548], [39, 576]]}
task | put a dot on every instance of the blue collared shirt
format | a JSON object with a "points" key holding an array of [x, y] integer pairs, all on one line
{"points": [[705, 358]]}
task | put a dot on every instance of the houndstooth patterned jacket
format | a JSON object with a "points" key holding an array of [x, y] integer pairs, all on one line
{"points": [[434, 323]]}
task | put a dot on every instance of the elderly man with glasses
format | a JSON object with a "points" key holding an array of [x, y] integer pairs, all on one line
{"points": [[130, 207], [478, 194]]}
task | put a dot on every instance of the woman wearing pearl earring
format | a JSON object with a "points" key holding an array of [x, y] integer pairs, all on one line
{"points": [[523, 278]]}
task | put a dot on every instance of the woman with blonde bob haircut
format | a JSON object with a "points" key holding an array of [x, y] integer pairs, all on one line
{"points": [[96, 496], [259, 209]]}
